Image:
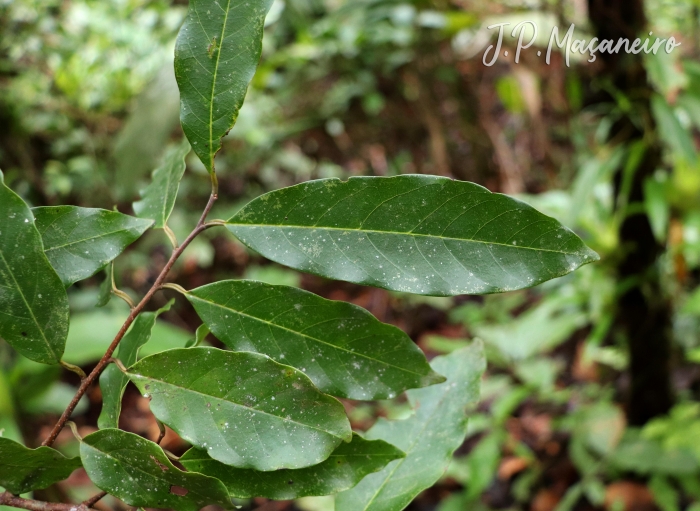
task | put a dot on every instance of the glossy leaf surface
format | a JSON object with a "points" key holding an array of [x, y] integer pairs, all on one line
{"points": [[216, 54], [33, 301], [348, 464], [419, 234], [343, 348], [23, 469], [112, 380], [137, 471], [79, 242], [429, 437], [245, 409], [158, 199]]}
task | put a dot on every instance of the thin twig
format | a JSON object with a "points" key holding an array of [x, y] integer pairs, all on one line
{"points": [[7, 499], [201, 226], [94, 499]]}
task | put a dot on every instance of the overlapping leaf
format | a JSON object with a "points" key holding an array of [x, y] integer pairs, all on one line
{"points": [[420, 234], [245, 409], [348, 464], [112, 380], [216, 54], [158, 199], [429, 437], [79, 242], [343, 348], [33, 301], [137, 471], [23, 469]]}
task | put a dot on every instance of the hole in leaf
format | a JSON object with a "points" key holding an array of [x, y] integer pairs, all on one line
{"points": [[179, 490]]}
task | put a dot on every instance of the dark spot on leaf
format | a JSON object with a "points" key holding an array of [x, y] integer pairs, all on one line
{"points": [[24, 334], [164, 468], [179, 491], [290, 482]]}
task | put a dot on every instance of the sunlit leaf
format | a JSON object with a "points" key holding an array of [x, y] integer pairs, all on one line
{"points": [[216, 54], [137, 471], [158, 199], [33, 301], [79, 242], [345, 467], [428, 438], [245, 409], [23, 469], [420, 234], [112, 380], [343, 348]]}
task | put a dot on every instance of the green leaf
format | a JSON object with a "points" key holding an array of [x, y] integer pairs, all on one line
{"points": [[158, 199], [112, 380], [105, 293], [137, 471], [217, 51], [673, 134], [345, 467], [429, 437], [79, 242], [419, 234], [23, 469], [245, 409], [343, 348], [33, 302]]}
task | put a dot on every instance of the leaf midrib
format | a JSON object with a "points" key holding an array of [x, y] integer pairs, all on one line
{"points": [[400, 233], [340, 348], [212, 153]]}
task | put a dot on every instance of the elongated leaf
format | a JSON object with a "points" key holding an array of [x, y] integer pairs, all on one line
{"points": [[79, 242], [429, 437], [105, 294], [245, 409], [158, 199], [348, 464], [217, 51], [343, 348], [33, 302], [23, 469], [420, 234], [137, 471], [112, 380]]}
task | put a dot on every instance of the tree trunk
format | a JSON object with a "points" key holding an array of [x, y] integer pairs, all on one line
{"points": [[643, 313]]}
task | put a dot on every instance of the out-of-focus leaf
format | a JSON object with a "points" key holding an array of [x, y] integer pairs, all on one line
{"points": [[158, 199], [112, 380], [23, 469], [345, 350], [216, 54], [429, 437], [92, 332], [8, 423], [245, 409], [345, 467], [420, 234], [671, 131], [79, 242], [644, 456], [33, 301], [657, 207], [138, 472]]}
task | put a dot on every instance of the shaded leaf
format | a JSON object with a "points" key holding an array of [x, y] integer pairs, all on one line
{"points": [[105, 293], [158, 199], [420, 234], [429, 437], [112, 380], [343, 348], [23, 469], [79, 242], [345, 467], [245, 409], [137, 471], [216, 54], [670, 130], [33, 302]]}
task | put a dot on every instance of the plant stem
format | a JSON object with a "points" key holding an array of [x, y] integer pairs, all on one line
{"points": [[7, 499], [94, 499], [201, 226]]}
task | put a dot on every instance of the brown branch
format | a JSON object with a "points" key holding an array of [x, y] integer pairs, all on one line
{"points": [[7, 499], [94, 499], [85, 384]]}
